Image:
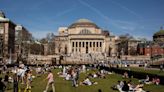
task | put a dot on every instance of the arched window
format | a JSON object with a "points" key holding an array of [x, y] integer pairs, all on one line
{"points": [[85, 31]]}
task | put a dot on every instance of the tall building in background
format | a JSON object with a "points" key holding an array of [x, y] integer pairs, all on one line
{"points": [[7, 34], [84, 41]]}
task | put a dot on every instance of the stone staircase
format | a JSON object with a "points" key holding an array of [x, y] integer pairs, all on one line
{"points": [[84, 58], [158, 61]]}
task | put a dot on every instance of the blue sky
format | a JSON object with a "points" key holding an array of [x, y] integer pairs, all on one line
{"points": [[140, 18]]}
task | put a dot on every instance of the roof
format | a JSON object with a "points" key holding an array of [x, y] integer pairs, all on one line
{"points": [[83, 23], [2, 14], [3, 19], [150, 44], [160, 32]]}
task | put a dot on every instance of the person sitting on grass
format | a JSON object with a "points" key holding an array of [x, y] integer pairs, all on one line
{"points": [[125, 75], [139, 88], [125, 87], [118, 86], [131, 85], [87, 82], [92, 75], [156, 80], [100, 75]]}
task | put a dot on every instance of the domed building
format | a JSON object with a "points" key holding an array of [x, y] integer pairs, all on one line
{"points": [[84, 41], [83, 23], [159, 36]]}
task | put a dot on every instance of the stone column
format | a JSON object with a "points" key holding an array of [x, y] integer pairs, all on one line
{"points": [[100, 46], [70, 46], [84, 47], [103, 46], [92, 46], [96, 46], [77, 46]]}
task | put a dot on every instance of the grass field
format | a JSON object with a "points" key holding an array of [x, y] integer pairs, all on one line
{"points": [[148, 70], [105, 85]]}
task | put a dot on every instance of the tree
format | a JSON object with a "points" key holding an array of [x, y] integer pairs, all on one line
{"points": [[44, 41], [37, 49], [132, 51], [49, 36]]}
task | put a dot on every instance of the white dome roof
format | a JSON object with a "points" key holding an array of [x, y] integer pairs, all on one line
{"points": [[83, 21]]}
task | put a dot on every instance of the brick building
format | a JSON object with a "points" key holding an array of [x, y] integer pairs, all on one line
{"points": [[7, 32], [151, 49], [155, 47]]}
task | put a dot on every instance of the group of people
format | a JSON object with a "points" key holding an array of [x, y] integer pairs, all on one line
{"points": [[22, 75], [124, 86], [155, 80], [15, 75], [72, 73]]}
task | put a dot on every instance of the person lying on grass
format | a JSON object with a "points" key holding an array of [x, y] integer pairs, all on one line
{"points": [[88, 82], [124, 86], [146, 80]]}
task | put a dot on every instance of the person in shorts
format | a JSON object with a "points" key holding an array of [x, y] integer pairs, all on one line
{"points": [[50, 82]]}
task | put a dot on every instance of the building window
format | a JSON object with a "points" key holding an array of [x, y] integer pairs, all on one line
{"points": [[90, 44], [100, 44], [79, 44], [85, 31], [93, 44], [86, 44], [76, 44], [72, 44], [97, 44], [83, 44]]}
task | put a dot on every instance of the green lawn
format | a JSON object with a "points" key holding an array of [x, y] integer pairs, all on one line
{"points": [[104, 84], [148, 70]]}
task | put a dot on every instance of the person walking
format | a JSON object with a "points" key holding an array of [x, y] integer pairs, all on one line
{"points": [[161, 67], [2, 86], [74, 75], [50, 79], [77, 75], [28, 79], [15, 83]]}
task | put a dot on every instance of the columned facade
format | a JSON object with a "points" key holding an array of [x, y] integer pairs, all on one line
{"points": [[85, 41], [87, 46]]}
